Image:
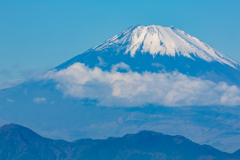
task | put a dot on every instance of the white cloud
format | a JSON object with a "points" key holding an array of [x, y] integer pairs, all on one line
{"points": [[39, 100], [134, 89], [121, 66]]}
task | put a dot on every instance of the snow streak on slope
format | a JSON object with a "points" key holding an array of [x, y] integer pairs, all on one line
{"points": [[164, 41]]}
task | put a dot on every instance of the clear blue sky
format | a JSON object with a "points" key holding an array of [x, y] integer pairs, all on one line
{"points": [[38, 35]]}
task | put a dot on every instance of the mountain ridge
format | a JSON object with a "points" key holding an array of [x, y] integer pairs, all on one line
{"points": [[19, 142]]}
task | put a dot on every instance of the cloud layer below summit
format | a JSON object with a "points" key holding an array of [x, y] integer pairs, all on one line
{"points": [[131, 89]]}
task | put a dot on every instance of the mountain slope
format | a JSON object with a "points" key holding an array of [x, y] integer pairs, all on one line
{"points": [[18, 142]]}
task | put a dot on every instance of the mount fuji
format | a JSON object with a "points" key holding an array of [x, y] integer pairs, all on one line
{"points": [[145, 78], [153, 48]]}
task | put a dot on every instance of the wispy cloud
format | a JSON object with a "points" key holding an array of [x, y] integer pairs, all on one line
{"points": [[10, 83], [101, 62], [10, 100], [156, 64], [39, 100], [134, 89], [32, 73]]}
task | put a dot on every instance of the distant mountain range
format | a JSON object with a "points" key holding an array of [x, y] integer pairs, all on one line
{"points": [[20, 143]]}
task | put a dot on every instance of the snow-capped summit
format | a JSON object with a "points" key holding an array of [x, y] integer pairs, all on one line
{"points": [[169, 41]]}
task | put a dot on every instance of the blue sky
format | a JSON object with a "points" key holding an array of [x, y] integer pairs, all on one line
{"points": [[39, 35]]}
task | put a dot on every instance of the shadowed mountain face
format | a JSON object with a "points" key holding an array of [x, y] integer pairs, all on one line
{"points": [[18, 142], [237, 153]]}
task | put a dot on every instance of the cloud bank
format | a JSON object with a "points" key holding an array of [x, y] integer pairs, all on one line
{"points": [[113, 88]]}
